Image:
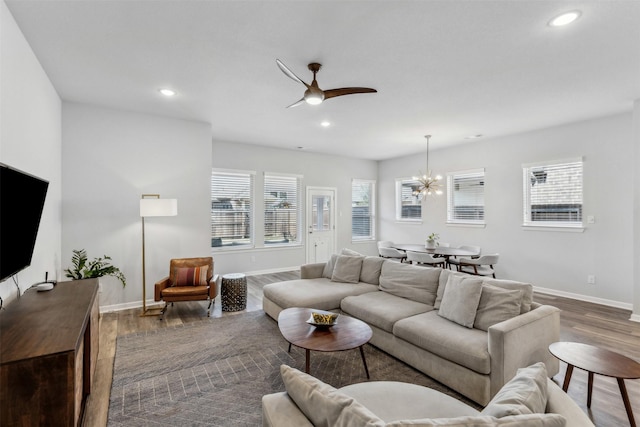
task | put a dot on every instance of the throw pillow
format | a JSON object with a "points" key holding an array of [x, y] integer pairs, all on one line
{"points": [[328, 267], [347, 269], [496, 305], [460, 300], [525, 393], [442, 284], [371, 268], [349, 252], [191, 276], [322, 404], [526, 288]]}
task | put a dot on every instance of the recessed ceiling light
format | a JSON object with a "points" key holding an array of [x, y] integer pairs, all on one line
{"points": [[300, 147], [565, 18], [167, 92], [479, 135], [325, 124]]}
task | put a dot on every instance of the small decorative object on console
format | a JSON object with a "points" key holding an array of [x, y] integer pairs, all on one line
{"points": [[432, 241]]}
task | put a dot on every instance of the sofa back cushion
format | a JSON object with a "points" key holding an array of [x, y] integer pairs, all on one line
{"points": [[408, 281], [442, 284]]}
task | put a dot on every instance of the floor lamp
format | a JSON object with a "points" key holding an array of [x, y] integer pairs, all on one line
{"points": [[153, 205]]}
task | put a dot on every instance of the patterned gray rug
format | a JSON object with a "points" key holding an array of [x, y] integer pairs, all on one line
{"points": [[214, 372]]}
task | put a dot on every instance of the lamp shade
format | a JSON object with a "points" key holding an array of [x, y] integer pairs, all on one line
{"points": [[158, 207]]}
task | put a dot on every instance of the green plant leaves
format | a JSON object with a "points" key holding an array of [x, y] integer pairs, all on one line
{"points": [[98, 267]]}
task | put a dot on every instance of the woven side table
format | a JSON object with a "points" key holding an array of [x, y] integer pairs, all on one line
{"points": [[234, 292]]}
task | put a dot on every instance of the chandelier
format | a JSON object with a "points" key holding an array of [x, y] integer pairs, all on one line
{"points": [[427, 184]]}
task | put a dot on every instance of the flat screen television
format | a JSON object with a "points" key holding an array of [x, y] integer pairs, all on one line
{"points": [[22, 198]]}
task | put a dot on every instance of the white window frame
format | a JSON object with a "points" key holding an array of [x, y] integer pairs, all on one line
{"points": [[297, 209], [528, 222], [451, 187], [399, 185], [252, 207], [372, 210]]}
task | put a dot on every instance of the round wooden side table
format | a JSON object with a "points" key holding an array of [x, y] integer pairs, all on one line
{"points": [[599, 361], [234, 292]]}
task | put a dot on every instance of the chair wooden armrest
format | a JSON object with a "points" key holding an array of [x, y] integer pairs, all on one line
{"points": [[159, 287]]}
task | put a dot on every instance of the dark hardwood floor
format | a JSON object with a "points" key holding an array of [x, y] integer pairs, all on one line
{"points": [[580, 321]]}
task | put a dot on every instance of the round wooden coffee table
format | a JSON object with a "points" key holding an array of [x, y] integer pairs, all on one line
{"points": [[347, 334], [599, 361]]}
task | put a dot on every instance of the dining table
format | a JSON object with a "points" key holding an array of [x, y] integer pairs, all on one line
{"points": [[445, 251]]}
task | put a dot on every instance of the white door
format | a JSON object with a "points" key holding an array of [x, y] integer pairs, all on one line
{"points": [[321, 228]]}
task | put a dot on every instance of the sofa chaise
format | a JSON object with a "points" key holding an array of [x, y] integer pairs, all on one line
{"points": [[468, 332]]}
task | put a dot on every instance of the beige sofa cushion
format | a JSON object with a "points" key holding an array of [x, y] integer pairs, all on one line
{"points": [[371, 268], [497, 305], [525, 393], [409, 281], [460, 300], [347, 269], [324, 405], [318, 293], [527, 290], [382, 309], [464, 346], [442, 284]]}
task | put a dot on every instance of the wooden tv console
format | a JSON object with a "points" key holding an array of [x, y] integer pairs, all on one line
{"points": [[48, 353]]}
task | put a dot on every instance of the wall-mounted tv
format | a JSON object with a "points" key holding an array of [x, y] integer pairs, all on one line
{"points": [[22, 198]]}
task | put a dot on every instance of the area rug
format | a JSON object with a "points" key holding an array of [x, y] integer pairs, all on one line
{"points": [[214, 372]]}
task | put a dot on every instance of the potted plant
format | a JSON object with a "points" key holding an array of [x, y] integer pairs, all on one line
{"points": [[432, 241], [84, 269]]}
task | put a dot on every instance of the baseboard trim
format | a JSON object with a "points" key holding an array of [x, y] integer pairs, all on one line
{"points": [[127, 306], [272, 270], [586, 298], [635, 318]]}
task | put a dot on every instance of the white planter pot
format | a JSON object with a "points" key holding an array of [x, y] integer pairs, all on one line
{"points": [[431, 244]]}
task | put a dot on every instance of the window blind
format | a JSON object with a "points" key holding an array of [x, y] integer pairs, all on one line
{"points": [[282, 210], [362, 210], [553, 194], [465, 197], [231, 209]]}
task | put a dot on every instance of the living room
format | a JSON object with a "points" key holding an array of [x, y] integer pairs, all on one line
{"points": [[100, 157]]}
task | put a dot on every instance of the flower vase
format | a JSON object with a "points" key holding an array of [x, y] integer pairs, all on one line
{"points": [[431, 244]]}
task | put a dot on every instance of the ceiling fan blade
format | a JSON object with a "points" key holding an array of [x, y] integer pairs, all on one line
{"points": [[332, 93], [295, 104], [290, 73]]}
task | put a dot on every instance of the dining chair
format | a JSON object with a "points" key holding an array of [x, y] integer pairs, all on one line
{"points": [[386, 250], [482, 266], [455, 260], [423, 258]]}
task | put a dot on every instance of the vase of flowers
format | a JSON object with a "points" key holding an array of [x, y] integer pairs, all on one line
{"points": [[432, 241]]}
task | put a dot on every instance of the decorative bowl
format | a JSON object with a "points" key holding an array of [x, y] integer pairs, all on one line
{"points": [[323, 318]]}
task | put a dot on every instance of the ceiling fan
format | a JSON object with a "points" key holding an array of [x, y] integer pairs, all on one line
{"points": [[314, 95]]}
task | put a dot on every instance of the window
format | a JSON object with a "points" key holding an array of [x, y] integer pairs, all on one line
{"points": [[465, 197], [553, 194], [363, 210], [231, 209], [408, 205], [282, 211]]}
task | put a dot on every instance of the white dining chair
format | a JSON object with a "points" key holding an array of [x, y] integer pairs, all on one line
{"points": [[386, 250], [455, 260], [482, 266], [423, 258]]}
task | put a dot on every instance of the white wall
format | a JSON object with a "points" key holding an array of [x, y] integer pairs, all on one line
{"points": [[557, 260], [317, 170], [110, 158], [30, 140]]}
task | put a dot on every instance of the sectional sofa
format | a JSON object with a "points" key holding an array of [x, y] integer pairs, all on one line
{"points": [[468, 332]]}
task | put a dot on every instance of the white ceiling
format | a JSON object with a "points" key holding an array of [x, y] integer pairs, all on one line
{"points": [[448, 68]]}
